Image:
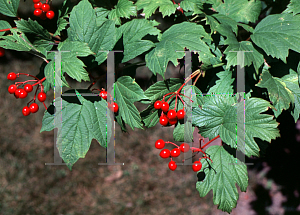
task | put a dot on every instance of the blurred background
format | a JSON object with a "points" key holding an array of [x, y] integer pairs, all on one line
{"points": [[144, 185]]}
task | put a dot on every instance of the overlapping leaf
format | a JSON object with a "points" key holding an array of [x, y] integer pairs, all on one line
{"points": [[221, 116], [172, 44], [278, 33], [17, 41], [101, 14], [127, 91], [149, 7], [223, 85], [133, 32], [279, 94], [9, 7], [293, 7], [32, 27], [124, 9], [4, 25], [240, 11], [223, 179], [192, 5], [78, 125], [83, 27]]}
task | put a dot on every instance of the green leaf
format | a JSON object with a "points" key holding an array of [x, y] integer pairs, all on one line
{"points": [[61, 25], [9, 7], [223, 181], [219, 116], [279, 94], [83, 27], [176, 38], [223, 85], [101, 14], [149, 7], [133, 32], [228, 21], [33, 27], [241, 11], [293, 7], [4, 25], [127, 91], [291, 81], [278, 33], [124, 9], [80, 124], [18, 41], [181, 134], [54, 81], [251, 55]]}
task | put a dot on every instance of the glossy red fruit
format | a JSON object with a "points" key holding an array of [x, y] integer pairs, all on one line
{"points": [[17, 93], [165, 107], [50, 14], [37, 12], [173, 121], [184, 147], [159, 144], [36, 1], [45, 7], [38, 5], [42, 96], [11, 76], [22, 94], [26, 111], [103, 94], [172, 165], [175, 152], [180, 114], [163, 120], [2, 52], [28, 88], [34, 107], [157, 105], [172, 114], [165, 153], [114, 107], [197, 165], [12, 88]]}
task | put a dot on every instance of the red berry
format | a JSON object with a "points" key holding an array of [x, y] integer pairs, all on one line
{"points": [[34, 107], [12, 88], [163, 120], [180, 114], [36, 1], [197, 165], [2, 52], [38, 5], [37, 12], [42, 96], [17, 93], [113, 107], [26, 111], [28, 88], [103, 94], [159, 144], [165, 107], [172, 165], [50, 14], [175, 152], [157, 105], [165, 153], [45, 7], [173, 121], [184, 147], [22, 94], [11, 76], [172, 114]]}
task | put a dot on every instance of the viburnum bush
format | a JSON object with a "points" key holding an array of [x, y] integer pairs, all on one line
{"points": [[212, 30]]}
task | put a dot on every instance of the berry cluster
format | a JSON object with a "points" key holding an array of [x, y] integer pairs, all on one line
{"points": [[22, 93], [2, 52], [42, 10], [113, 106], [168, 116]]}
